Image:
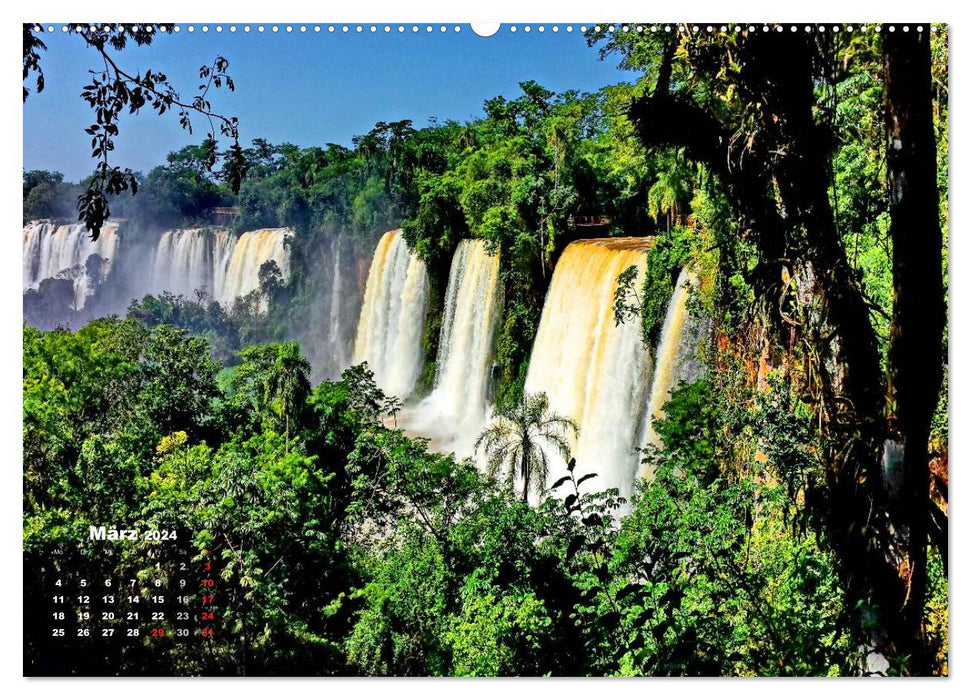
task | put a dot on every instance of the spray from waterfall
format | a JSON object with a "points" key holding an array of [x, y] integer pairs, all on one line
{"points": [[592, 369], [393, 316]]}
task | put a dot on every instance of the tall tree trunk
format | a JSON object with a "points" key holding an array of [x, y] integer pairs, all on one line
{"points": [[919, 314], [853, 507], [525, 471], [783, 158]]}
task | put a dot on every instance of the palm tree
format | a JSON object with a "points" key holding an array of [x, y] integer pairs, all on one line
{"points": [[517, 442], [671, 192]]}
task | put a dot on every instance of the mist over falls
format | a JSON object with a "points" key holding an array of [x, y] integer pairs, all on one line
{"points": [[593, 370]]}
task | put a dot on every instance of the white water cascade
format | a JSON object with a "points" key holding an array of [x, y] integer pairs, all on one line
{"points": [[225, 266], [677, 353], [187, 259], [456, 410], [393, 316], [249, 252], [335, 331], [52, 251], [592, 369]]}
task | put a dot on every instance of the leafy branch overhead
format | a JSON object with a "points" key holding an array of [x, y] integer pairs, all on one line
{"points": [[113, 90]]}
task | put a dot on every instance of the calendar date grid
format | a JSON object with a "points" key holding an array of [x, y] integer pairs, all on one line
{"points": [[137, 607]]}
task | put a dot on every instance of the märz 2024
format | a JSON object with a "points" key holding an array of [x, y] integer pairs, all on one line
{"points": [[113, 534]]}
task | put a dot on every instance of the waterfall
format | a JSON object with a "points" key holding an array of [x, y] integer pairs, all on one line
{"points": [[185, 260], [393, 316], [455, 412], [677, 353], [465, 348], [593, 370], [226, 267], [180, 261], [335, 332], [52, 251], [249, 252]]}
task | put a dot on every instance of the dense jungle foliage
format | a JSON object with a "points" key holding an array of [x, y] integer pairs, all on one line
{"points": [[342, 546], [774, 537]]}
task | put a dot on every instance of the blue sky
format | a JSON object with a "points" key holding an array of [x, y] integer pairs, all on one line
{"points": [[307, 89]]}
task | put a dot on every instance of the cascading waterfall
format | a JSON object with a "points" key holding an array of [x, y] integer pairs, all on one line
{"points": [[182, 262], [249, 252], [677, 353], [335, 331], [456, 410], [187, 259], [592, 369], [468, 329], [393, 316], [225, 266], [52, 251]]}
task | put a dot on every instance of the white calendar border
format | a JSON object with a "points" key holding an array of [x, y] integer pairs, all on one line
{"points": [[11, 649]]}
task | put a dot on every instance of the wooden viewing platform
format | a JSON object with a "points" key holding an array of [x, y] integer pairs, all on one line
{"points": [[588, 221], [223, 215]]}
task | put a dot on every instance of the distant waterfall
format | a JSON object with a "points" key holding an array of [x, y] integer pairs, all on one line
{"points": [[593, 370], [52, 251], [182, 261], [335, 331], [249, 252], [225, 266], [188, 259], [455, 412], [393, 316], [677, 353]]}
